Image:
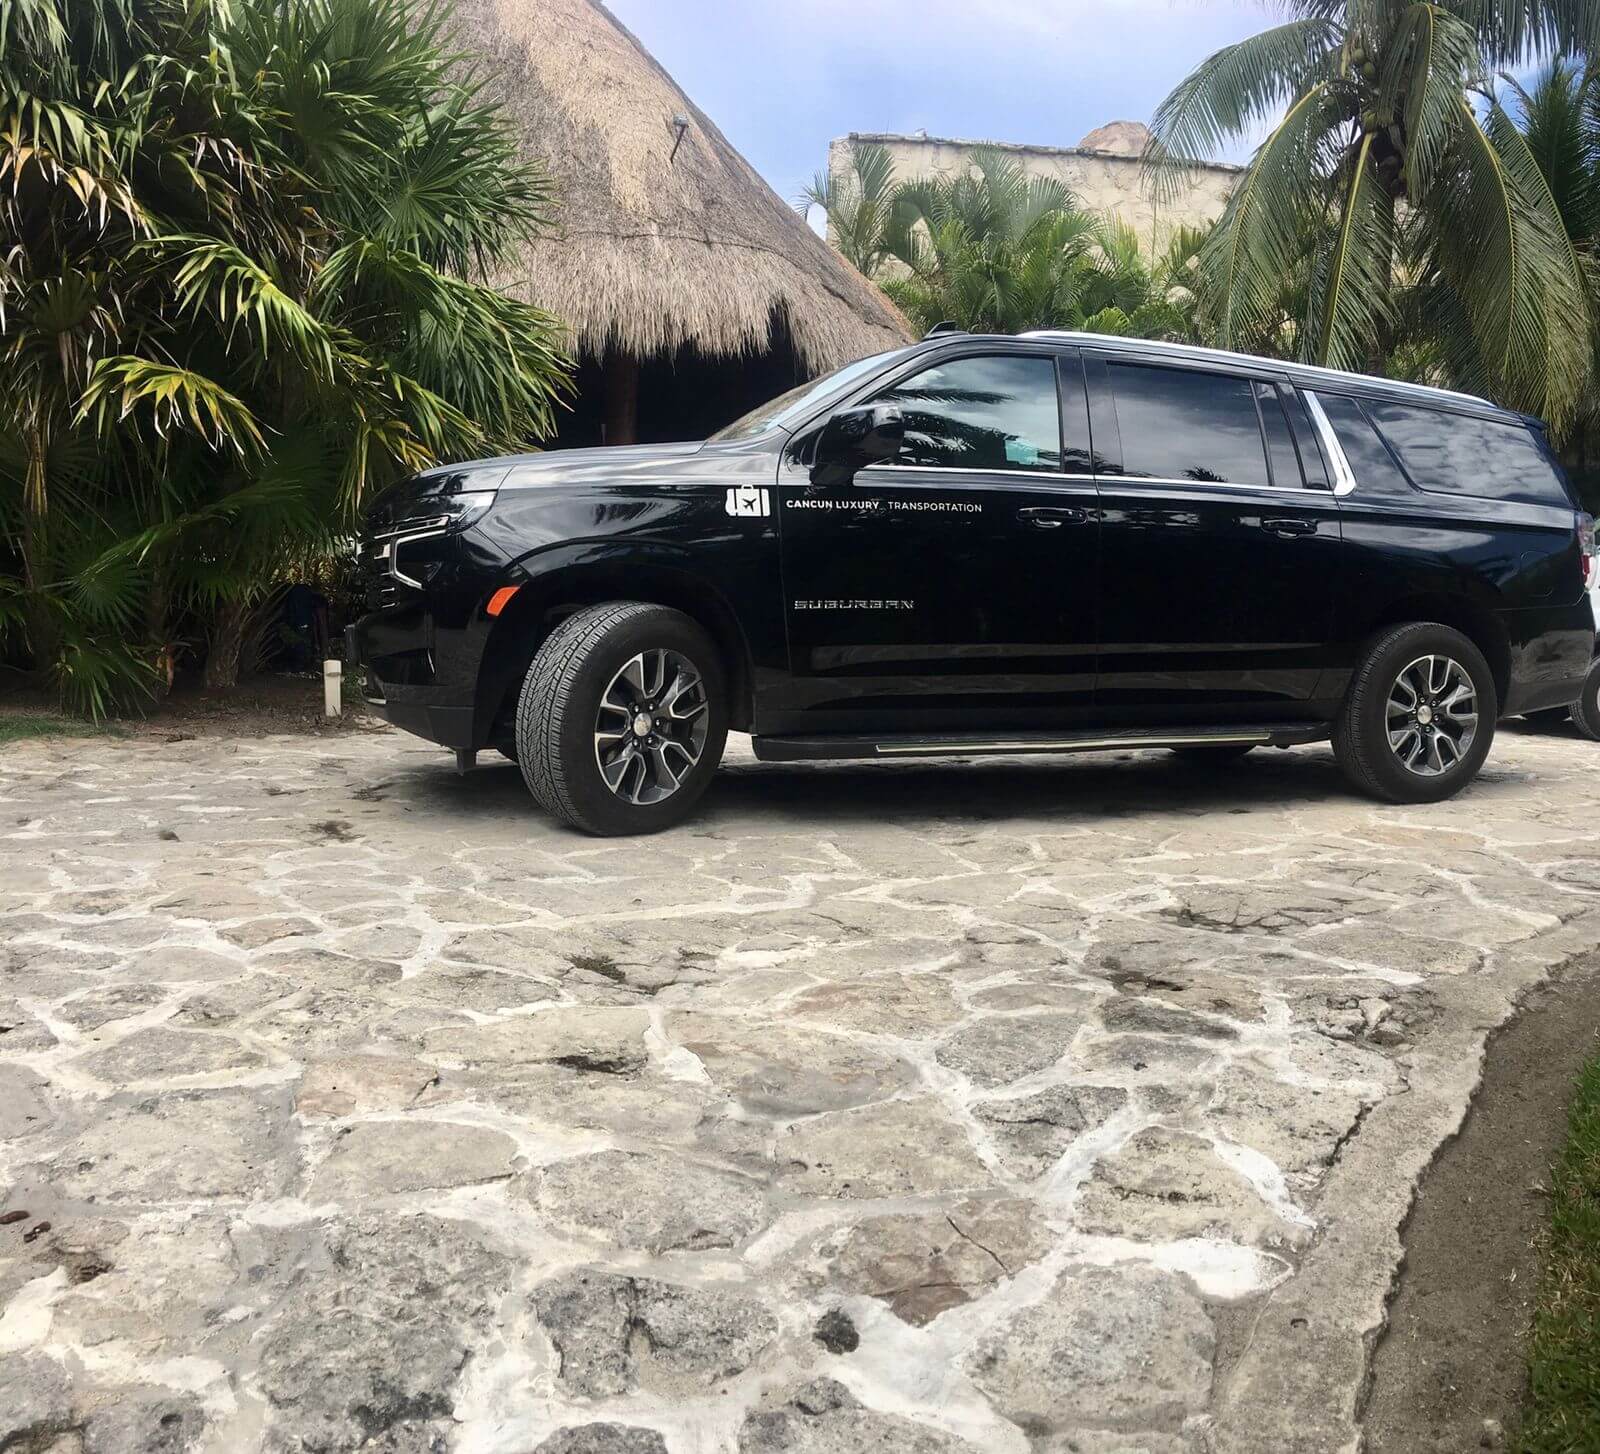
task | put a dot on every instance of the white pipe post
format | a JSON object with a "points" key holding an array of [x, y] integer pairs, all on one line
{"points": [[332, 688]]}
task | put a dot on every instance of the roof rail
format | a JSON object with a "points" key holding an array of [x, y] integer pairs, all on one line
{"points": [[1308, 373]]}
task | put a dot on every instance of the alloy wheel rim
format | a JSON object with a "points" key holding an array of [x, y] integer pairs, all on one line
{"points": [[651, 726], [1432, 715]]}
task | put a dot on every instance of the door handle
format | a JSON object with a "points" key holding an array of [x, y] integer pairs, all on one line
{"points": [[1289, 525], [1050, 517]]}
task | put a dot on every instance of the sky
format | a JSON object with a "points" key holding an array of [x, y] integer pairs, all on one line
{"points": [[782, 78]]}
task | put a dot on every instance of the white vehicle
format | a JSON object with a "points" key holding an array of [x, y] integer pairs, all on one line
{"points": [[1584, 714]]}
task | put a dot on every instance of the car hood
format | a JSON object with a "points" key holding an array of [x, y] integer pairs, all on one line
{"points": [[611, 465]]}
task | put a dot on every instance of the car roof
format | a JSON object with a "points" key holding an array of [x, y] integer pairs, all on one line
{"points": [[1308, 376]]}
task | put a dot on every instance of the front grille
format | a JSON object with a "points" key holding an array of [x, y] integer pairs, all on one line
{"points": [[410, 525], [376, 560]]}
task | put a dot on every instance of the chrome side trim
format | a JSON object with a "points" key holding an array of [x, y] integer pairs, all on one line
{"points": [[1344, 479], [960, 469], [1207, 484], [1071, 744], [1069, 483]]}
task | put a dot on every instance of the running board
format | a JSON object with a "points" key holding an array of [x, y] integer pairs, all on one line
{"points": [[963, 744]]}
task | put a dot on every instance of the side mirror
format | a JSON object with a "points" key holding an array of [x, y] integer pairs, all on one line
{"points": [[855, 438]]}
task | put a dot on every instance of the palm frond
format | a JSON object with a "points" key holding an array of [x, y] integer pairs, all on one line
{"points": [[1559, 128], [1258, 238], [1234, 90], [1431, 59], [123, 388], [241, 293], [1356, 278]]}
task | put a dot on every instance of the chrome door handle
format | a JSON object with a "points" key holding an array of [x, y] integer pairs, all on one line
{"points": [[1290, 525], [1050, 517]]}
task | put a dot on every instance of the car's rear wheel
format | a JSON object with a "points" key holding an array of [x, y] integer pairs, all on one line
{"points": [[1586, 710], [1419, 717], [1214, 754], [622, 718]]}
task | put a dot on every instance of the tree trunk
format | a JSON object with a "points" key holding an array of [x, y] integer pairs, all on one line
{"points": [[227, 641], [38, 621], [158, 631], [622, 397]]}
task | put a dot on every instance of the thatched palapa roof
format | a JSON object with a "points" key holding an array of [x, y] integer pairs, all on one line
{"points": [[653, 251]]}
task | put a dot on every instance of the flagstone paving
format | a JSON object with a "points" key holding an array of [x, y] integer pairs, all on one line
{"points": [[1048, 1105]]}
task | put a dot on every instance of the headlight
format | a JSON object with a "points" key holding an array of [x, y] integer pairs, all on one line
{"points": [[462, 510], [441, 515]]}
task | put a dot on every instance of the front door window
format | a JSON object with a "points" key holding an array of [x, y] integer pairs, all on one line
{"points": [[994, 413]]}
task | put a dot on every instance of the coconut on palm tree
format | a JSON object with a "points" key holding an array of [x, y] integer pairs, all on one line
{"points": [[1394, 180]]}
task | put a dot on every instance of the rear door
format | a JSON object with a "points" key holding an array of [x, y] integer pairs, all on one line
{"points": [[954, 587], [1220, 541]]}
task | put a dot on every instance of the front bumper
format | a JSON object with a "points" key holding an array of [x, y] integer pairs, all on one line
{"points": [[440, 712]]}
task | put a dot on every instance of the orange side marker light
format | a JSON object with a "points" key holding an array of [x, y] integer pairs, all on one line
{"points": [[501, 599]]}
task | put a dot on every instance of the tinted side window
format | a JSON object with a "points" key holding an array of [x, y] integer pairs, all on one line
{"points": [[1281, 453], [1181, 424], [994, 413], [1373, 466], [1455, 454]]}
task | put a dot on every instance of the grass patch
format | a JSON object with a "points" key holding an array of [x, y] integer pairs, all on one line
{"points": [[19, 728], [1563, 1411]]}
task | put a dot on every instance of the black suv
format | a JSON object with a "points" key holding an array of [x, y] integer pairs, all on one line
{"points": [[1046, 543]]}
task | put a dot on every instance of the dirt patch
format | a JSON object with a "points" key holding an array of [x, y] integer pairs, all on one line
{"points": [[260, 707], [1455, 1350]]}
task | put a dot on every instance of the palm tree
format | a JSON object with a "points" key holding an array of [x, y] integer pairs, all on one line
{"points": [[859, 206], [1374, 104], [1560, 119], [994, 250], [241, 294]]}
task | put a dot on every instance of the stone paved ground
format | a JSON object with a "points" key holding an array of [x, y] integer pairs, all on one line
{"points": [[1066, 1105]]}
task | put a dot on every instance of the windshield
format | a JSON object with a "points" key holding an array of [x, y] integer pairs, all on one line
{"points": [[780, 412]]}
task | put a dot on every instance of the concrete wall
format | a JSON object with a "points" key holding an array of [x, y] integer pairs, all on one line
{"points": [[1102, 180]]}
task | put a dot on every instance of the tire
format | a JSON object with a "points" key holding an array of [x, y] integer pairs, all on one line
{"points": [[1586, 710], [1213, 754], [1446, 757], [603, 674]]}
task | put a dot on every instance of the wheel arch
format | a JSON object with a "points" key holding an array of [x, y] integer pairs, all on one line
{"points": [[1478, 624], [542, 603]]}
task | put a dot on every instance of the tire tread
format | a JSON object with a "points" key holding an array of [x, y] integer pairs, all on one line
{"points": [[546, 699], [1585, 712], [1356, 755]]}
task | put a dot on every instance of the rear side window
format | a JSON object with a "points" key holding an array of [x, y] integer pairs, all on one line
{"points": [[1183, 424], [996, 413], [1373, 466], [1455, 454]]}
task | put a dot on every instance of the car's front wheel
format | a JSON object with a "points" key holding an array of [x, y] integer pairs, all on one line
{"points": [[1419, 717], [622, 718]]}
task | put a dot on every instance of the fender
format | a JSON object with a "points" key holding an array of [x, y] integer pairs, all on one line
{"points": [[557, 580]]}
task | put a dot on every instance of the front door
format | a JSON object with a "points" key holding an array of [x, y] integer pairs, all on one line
{"points": [[1220, 543], [953, 588]]}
